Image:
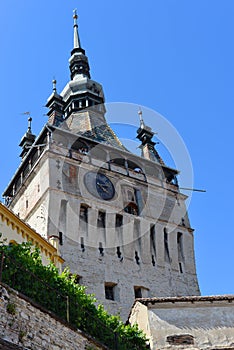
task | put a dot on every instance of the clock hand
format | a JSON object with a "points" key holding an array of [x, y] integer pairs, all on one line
{"points": [[102, 187]]}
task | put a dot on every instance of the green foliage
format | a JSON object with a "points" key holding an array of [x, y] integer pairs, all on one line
{"points": [[11, 308], [23, 270]]}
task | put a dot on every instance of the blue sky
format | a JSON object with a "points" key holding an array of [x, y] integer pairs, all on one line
{"points": [[173, 56]]}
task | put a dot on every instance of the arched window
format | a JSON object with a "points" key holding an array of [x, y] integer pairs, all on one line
{"points": [[131, 208]]}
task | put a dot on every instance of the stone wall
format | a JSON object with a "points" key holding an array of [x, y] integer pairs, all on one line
{"points": [[24, 325], [132, 257]]}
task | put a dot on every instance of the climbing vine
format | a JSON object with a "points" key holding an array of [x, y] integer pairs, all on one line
{"points": [[23, 270]]}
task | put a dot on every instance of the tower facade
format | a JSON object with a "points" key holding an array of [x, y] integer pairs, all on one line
{"points": [[120, 220]]}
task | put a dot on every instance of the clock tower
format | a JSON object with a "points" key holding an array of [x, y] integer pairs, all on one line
{"points": [[119, 220]]}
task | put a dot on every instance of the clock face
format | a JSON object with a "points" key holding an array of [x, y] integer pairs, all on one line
{"points": [[99, 185]]}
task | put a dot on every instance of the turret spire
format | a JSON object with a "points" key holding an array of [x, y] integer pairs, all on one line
{"points": [[29, 125], [77, 44], [28, 138], [145, 135]]}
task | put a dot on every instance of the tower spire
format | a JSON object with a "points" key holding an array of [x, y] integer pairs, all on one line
{"points": [[77, 44], [28, 138], [78, 61], [145, 135]]}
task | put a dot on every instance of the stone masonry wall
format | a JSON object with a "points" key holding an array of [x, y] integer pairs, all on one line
{"points": [[132, 256], [24, 325]]}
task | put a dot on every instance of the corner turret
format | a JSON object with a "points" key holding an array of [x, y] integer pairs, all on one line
{"points": [[145, 135], [28, 138]]}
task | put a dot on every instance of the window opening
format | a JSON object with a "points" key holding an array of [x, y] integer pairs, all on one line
{"points": [[137, 258], [181, 267], [118, 220], [109, 292], [119, 254], [131, 208], [180, 246], [137, 292], [152, 244], [60, 238], [166, 246], [101, 249], [84, 213], [101, 220], [82, 244]]}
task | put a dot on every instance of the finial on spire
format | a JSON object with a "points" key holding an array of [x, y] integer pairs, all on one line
{"points": [[54, 82], [28, 138], [29, 122], [77, 44], [29, 125], [75, 16], [78, 62], [142, 124]]}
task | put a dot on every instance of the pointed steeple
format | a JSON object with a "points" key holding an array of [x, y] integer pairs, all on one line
{"points": [[77, 44], [56, 105], [79, 64], [83, 99], [145, 135], [28, 138]]}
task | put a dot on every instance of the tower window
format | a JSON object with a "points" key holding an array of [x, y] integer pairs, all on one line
{"points": [[84, 212], [26, 204], [180, 246], [110, 291], [82, 244], [118, 220], [101, 220], [119, 254], [137, 292], [60, 238], [101, 249], [131, 208], [137, 258], [152, 244], [166, 247], [181, 267], [77, 279]]}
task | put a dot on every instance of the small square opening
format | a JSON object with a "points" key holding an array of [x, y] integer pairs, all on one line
{"points": [[110, 291], [138, 292]]}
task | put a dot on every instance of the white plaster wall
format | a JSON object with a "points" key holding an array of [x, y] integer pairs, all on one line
{"points": [[163, 279], [210, 325]]}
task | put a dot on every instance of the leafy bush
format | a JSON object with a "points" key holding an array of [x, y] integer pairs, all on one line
{"points": [[23, 270]]}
